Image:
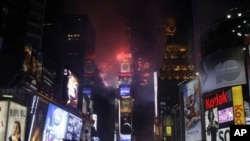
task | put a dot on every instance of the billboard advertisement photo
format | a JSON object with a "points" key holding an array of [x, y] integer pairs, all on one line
{"points": [[55, 123], [192, 110], [16, 124]]}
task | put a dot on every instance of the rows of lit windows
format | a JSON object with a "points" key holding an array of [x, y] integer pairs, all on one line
{"points": [[71, 37]]}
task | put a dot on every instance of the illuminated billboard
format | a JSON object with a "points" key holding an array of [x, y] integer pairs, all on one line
{"points": [[70, 96], [223, 68], [126, 105], [74, 127], [55, 123], [124, 80], [223, 107], [225, 115], [16, 123], [87, 91], [125, 91], [192, 110]]}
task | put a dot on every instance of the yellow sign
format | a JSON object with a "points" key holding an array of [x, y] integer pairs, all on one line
{"points": [[168, 130], [238, 105]]}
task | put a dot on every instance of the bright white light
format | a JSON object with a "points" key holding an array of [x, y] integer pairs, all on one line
{"points": [[155, 93], [239, 14], [228, 16]]}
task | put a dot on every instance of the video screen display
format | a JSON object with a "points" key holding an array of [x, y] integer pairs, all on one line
{"points": [[87, 91], [124, 80], [55, 123], [17, 115], [225, 115], [74, 127], [124, 91], [71, 90]]}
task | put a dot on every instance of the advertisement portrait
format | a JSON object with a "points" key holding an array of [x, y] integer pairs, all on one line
{"points": [[212, 124], [16, 125], [192, 110], [55, 124]]}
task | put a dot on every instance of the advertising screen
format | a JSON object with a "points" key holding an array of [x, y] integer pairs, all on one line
{"points": [[38, 120], [87, 91], [17, 115], [71, 91], [73, 129], [223, 71], [3, 118], [225, 115], [124, 80], [55, 123], [124, 91]]}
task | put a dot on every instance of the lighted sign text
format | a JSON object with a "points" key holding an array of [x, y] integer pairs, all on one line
{"points": [[239, 117], [218, 99]]}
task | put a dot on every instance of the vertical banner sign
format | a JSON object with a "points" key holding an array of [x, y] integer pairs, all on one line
{"points": [[192, 110], [239, 117]]}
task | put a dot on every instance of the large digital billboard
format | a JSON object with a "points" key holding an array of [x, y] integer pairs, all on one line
{"points": [[223, 107], [223, 68], [70, 96], [55, 123], [74, 127]]}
